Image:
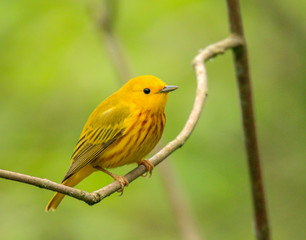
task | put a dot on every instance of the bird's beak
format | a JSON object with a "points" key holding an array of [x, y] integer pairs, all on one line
{"points": [[168, 88]]}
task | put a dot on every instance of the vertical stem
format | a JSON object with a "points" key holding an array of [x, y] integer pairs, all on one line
{"points": [[245, 91], [179, 203], [107, 17]]}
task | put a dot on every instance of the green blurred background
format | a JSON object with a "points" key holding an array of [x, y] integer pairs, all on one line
{"points": [[54, 70]]}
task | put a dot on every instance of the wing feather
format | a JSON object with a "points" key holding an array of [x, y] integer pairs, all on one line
{"points": [[96, 136]]}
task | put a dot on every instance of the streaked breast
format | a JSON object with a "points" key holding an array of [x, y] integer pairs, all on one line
{"points": [[139, 139]]}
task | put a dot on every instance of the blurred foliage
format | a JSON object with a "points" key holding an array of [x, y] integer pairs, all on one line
{"points": [[54, 70]]}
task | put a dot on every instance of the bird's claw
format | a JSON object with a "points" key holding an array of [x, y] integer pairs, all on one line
{"points": [[123, 182], [149, 166]]}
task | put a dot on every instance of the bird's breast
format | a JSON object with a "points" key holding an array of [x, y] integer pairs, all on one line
{"points": [[143, 132]]}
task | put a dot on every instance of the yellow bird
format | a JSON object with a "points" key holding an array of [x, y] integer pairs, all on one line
{"points": [[123, 129]]}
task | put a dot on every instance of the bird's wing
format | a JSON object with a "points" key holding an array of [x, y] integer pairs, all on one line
{"points": [[100, 131]]}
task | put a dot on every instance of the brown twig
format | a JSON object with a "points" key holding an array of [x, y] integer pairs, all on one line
{"points": [[245, 90], [47, 184], [201, 92]]}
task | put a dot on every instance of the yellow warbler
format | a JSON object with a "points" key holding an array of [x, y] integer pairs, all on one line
{"points": [[123, 129]]}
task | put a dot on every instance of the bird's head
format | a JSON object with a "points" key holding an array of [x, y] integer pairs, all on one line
{"points": [[147, 92]]}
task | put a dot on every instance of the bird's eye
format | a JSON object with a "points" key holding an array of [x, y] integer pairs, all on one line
{"points": [[146, 90]]}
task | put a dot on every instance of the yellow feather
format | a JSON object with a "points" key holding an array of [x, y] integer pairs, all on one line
{"points": [[71, 182], [123, 129]]}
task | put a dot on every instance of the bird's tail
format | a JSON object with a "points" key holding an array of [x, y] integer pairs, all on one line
{"points": [[71, 182]]}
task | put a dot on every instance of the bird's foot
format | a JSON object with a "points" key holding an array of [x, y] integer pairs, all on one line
{"points": [[121, 179], [149, 166]]}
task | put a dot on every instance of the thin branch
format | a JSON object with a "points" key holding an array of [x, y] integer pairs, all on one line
{"points": [[245, 90], [47, 184], [201, 93]]}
